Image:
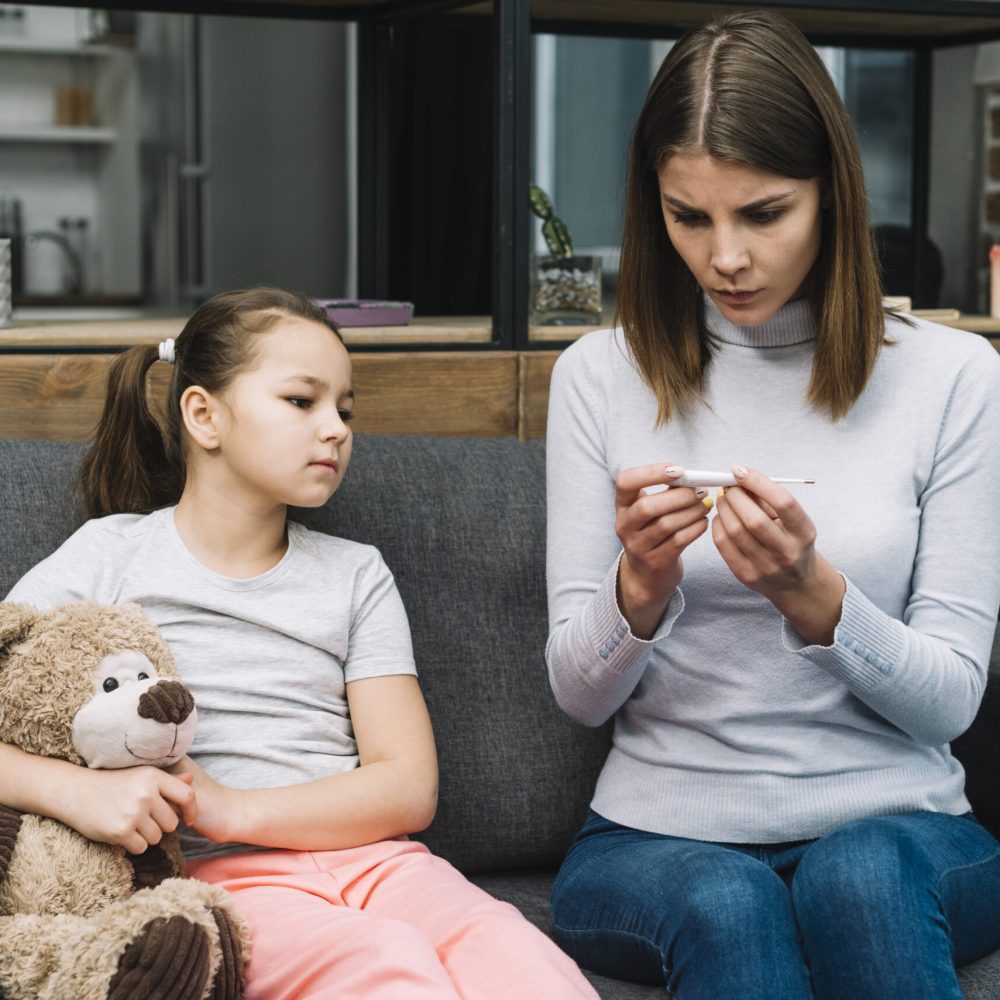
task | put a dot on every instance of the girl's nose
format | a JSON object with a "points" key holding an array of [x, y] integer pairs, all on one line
{"points": [[333, 427]]}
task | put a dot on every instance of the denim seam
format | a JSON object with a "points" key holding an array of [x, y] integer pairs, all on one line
{"points": [[962, 868], [617, 930]]}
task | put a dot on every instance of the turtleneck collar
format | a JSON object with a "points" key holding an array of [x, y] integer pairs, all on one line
{"points": [[793, 323]]}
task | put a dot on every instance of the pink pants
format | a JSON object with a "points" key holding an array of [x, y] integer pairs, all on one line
{"points": [[387, 921]]}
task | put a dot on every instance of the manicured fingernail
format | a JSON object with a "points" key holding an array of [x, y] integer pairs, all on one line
{"points": [[739, 471], [720, 493], [673, 471], [701, 492], [708, 503]]}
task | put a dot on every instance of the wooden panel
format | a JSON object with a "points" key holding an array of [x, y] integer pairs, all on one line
{"points": [[449, 393], [535, 369], [56, 396], [446, 393]]}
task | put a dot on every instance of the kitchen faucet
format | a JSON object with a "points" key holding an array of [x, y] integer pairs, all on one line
{"points": [[73, 280]]}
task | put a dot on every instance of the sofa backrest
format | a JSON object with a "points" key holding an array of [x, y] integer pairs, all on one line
{"points": [[461, 523]]}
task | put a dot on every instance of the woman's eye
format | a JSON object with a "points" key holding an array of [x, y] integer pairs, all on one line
{"points": [[763, 218], [689, 219], [110, 684], [300, 401]]}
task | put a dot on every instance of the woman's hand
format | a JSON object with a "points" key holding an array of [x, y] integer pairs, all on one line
{"points": [[131, 808], [654, 529], [769, 543], [216, 804]]}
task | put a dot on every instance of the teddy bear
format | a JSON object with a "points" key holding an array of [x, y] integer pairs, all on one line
{"points": [[96, 685]]}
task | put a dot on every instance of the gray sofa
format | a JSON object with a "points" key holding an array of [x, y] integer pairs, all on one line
{"points": [[461, 524]]}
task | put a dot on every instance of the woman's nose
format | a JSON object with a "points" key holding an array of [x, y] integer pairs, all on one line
{"points": [[729, 253]]}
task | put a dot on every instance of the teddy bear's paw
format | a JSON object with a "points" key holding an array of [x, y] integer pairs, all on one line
{"points": [[168, 960], [228, 984]]}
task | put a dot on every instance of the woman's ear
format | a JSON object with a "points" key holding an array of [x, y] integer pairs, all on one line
{"points": [[200, 413]]}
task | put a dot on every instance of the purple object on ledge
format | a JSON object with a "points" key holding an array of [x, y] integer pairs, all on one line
{"points": [[367, 312]]}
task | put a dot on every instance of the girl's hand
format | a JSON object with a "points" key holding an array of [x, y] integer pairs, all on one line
{"points": [[131, 808], [769, 543], [216, 803], [654, 529]]}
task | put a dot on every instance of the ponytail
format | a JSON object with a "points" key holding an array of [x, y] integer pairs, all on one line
{"points": [[129, 467]]}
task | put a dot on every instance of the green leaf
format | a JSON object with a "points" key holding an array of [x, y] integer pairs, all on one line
{"points": [[541, 205], [557, 237]]}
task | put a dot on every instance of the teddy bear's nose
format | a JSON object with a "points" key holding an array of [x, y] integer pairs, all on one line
{"points": [[166, 701]]}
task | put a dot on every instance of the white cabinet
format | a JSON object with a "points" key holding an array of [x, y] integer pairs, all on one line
{"points": [[69, 152]]}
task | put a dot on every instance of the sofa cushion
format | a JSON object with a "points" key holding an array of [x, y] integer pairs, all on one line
{"points": [[39, 505]]}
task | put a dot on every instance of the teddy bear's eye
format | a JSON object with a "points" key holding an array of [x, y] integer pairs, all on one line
{"points": [[144, 676], [110, 684]]}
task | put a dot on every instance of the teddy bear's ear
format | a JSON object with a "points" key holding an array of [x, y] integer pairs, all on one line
{"points": [[16, 622]]}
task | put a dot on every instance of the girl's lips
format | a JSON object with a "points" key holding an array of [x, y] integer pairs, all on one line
{"points": [[332, 466]]}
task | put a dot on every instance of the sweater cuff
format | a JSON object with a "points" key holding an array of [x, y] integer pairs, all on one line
{"points": [[867, 645], [608, 630]]}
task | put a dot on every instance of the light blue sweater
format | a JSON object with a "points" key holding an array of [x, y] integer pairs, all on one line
{"points": [[728, 727]]}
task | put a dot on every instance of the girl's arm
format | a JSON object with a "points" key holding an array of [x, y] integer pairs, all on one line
{"points": [[392, 792], [131, 808]]}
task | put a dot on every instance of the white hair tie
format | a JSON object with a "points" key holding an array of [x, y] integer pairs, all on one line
{"points": [[167, 352]]}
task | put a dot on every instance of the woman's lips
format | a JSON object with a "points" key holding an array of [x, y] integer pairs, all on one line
{"points": [[735, 298]]}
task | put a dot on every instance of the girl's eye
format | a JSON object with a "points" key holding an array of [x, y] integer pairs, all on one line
{"points": [[346, 415], [302, 402]]}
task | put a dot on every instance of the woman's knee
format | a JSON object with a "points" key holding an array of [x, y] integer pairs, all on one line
{"points": [[864, 868]]}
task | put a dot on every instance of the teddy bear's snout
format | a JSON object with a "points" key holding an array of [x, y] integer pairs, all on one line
{"points": [[166, 701]]}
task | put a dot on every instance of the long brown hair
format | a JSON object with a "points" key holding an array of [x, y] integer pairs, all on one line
{"points": [[135, 464], [748, 89]]}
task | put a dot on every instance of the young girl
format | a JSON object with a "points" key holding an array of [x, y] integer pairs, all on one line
{"points": [[314, 755], [780, 815]]}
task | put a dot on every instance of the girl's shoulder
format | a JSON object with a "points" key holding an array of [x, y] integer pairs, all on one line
{"points": [[325, 547]]}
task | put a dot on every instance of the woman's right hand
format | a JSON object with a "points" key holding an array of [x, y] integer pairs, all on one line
{"points": [[131, 808], [654, 529]]}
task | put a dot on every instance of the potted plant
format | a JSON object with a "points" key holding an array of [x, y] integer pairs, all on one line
{"points": [[565, 288]]}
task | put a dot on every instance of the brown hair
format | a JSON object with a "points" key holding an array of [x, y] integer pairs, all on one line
{"points": [[135, 465], [748, 89]]}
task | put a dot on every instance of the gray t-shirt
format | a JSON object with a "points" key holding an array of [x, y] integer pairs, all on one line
{"points": [[267, 659]]}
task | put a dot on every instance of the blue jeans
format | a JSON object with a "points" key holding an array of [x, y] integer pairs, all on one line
{"points": [[879, 909]]}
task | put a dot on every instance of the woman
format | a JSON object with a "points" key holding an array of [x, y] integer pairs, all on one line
{"points": [[779, 815]]}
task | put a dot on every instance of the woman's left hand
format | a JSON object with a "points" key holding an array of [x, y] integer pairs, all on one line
{"points": [[769, 543]]}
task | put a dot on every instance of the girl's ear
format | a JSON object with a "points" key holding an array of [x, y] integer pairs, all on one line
{"points": [[199, 411]]}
